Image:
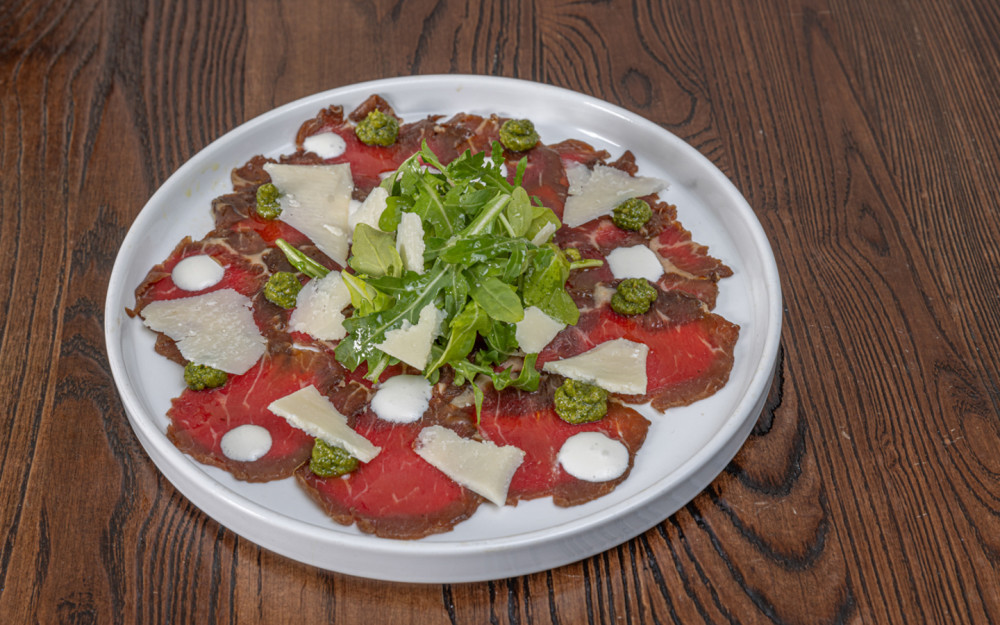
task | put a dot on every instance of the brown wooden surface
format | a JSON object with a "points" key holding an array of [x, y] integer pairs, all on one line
{"points": [[864, 134]]}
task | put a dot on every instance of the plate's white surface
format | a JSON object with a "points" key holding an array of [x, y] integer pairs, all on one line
{"points": [[685, 449]]}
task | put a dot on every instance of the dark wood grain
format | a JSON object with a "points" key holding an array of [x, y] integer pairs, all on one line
{"points": [[864, 136]]}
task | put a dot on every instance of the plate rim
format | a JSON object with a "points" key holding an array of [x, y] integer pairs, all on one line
{"points": [[691, 476]]}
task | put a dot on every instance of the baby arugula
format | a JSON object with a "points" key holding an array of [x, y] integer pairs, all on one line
{"points": [[486, 257]]}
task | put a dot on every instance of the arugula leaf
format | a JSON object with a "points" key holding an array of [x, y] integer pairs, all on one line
{"points": [[527, 379], [300, 261], [479, 248], [548, 272], [540, 215], [395, 206], [469, 323], [501, 341], [431, 207], [456, 292], [498, 299], [519, 213], [365, 298], [545, 282], [374, 252], [560, 306]]}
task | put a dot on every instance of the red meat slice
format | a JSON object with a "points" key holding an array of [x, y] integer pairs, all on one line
{"points": [[576, 151], [397, 494], [528, 422], [199, 419], [544, 177], [240, 274], [690, 349], [688, 268]]}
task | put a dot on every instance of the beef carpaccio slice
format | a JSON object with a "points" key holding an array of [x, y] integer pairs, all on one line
{"points": [[398, 494], [687, 266], [529, 422], [199, 419], [690, 349]]}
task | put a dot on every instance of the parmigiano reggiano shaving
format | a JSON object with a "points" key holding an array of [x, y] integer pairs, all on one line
{"points": [[215, 329], [316, 200], [536, 330], [314, 414], [598, 192], [412, 343], [482, 467], [618, 366], [410, 242], [319, 308]]}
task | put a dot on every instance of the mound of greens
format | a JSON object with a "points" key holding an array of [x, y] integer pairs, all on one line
{"points": [[486, 257]]}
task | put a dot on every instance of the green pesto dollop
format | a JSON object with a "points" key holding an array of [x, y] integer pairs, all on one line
{"points": [[578, 402], [518, 135], [200, 377], [330, 461], [267, 201], [377, 128], [632, 214], [633, 296], [282, 289]]}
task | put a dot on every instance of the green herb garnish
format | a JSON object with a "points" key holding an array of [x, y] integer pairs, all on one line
{"points": [[483, 264]]}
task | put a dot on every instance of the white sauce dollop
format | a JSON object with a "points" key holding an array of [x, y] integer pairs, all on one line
{"points": [[402, 398], [195, 273], [637, 261], [593, 457], [325, 145], [246, 443]]}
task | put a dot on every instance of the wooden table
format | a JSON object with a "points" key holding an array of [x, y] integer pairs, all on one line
{"points": [[864, 134]]}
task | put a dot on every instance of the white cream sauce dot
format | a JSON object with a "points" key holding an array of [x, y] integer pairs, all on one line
{"points": [[246, 443], [195, 273], [593, 457], [402, 399], [637, 261], [325, 145]]}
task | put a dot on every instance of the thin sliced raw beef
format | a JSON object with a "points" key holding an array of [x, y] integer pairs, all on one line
{"points": [[687, 265], [240, 274], [690, 349], [576, 151], [397, 494], [199, 419], [529, 422], [688, 268], [544, 176]]}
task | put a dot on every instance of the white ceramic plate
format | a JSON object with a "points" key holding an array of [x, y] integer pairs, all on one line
{"points": [[685, 450]]}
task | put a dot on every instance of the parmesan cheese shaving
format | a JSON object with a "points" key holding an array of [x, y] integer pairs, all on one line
{"points": [[637, 261], [410, 242], [215, 329], [598, 192], [311, 412], [536, 330], [319, 308], [370, 211], [618, 366], [316, 200], [412, 343], [482, 467]]}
